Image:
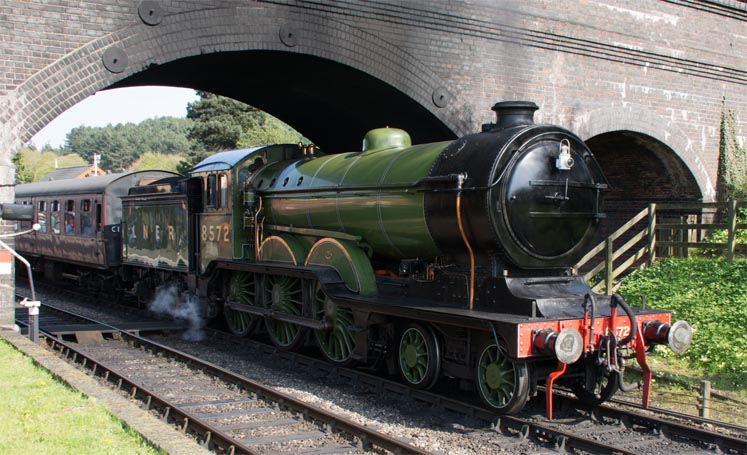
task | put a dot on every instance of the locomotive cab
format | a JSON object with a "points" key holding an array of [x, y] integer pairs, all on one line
{"points": [[226, 226]]}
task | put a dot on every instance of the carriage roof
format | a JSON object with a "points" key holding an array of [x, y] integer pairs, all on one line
{"points": [[89, 185]]}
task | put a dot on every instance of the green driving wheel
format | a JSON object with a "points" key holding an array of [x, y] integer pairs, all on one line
{"points": [[419, 356], [239, 288], [284, 295], [503, 385], [336, 343]]}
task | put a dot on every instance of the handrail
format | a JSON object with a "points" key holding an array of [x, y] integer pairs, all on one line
{"points": [[652, 241]]}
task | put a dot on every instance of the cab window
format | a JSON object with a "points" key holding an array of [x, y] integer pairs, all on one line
{"points": [[211, 193], [223, 191]]}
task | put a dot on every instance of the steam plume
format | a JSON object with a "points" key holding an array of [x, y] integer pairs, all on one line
{"points": [[185, 308]]}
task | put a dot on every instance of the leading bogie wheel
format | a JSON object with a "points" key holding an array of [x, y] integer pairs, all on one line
{"points": [[503, 384], [419, 356], [241, 288], [337, 343], [284, 295]]}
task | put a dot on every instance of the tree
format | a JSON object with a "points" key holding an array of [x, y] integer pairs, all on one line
{"points": [[109, 142], [154, 160], [222, 123], [165, 135], [24, 174], [122, 144], [31, 164], [83, 141]]}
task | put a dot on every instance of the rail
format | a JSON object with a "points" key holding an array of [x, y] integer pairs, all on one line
{"points": [[219, 437], [663, 229]]}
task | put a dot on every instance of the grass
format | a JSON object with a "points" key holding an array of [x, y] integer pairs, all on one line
{"points": [[676, 386], [710, 294], [40, 415]]}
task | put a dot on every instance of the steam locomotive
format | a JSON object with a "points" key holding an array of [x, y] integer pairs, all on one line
{"points": [[451, 259]]}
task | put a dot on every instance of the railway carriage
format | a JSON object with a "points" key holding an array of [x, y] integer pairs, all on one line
{"points": [[451, 259], [79, 223]]}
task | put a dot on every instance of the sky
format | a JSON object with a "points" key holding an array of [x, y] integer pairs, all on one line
{"points": [[115, 106]]}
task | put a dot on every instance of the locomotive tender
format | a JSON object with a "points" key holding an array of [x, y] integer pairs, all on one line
{"points": [[446, 259]]}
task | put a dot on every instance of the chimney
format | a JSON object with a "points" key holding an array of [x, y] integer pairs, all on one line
{"points": [[514, 113]]}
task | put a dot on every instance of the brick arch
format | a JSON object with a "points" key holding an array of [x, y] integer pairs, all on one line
{"points": [[661, 134], [81, 73]]}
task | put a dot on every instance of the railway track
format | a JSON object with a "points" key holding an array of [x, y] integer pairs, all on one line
{"points": [[599, 430], [227, 412], [575, 428], [679, 416]]}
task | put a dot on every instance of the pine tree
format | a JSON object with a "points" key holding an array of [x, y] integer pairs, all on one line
{"points": [[222, 123]]}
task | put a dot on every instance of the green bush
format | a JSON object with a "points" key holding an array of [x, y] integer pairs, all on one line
{"points": [[722, 235], [711, 295]]}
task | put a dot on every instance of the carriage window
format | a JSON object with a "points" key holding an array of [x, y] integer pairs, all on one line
{"points": [[41, 215], [69, 217], [54, 216], [86, 222], [210, 202], [223, 186], [98, 218]]}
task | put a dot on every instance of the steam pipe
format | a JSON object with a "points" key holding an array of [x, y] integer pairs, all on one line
{"points": [[590, 298], [633, 324], [460, 182]]}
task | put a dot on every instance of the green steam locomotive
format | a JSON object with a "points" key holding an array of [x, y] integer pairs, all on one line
{"points": [[444, 260]]}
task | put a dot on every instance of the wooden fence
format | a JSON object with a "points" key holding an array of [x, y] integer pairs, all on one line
{"points": [[665, 229]]}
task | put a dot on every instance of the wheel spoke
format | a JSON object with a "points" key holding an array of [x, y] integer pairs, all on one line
{"points": [[418, 356], [239, 288], [501, 383], [336, 343], [284, 295]]}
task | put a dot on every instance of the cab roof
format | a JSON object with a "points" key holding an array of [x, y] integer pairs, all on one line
{"points": [[223, 161]]}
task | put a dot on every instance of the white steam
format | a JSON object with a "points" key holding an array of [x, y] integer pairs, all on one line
{"points": [[185, 307]]}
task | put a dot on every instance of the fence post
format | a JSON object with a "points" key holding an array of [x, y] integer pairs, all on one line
{"points": [[731, 215], [705, 399], [651, 233], [609, 267]]}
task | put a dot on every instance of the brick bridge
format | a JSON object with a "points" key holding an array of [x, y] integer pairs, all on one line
{"points": [[644, 82]]}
